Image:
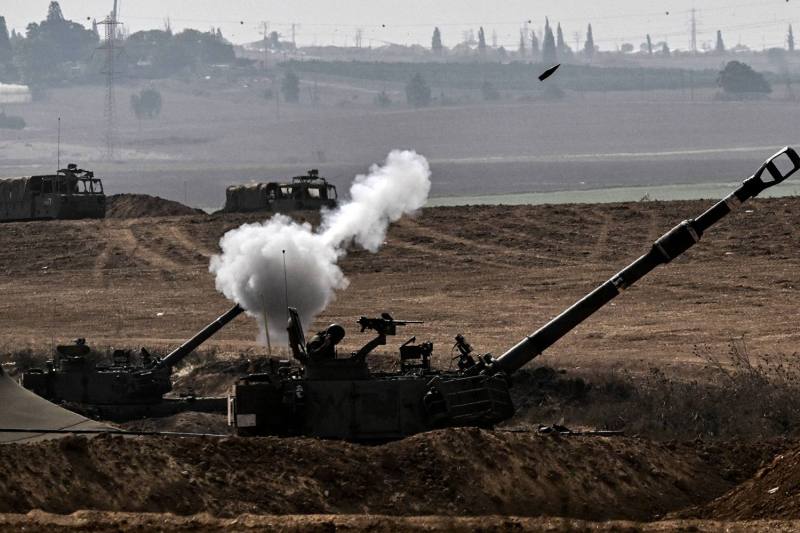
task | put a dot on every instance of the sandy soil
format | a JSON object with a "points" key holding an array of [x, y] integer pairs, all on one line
{"points": [[146, 522]]}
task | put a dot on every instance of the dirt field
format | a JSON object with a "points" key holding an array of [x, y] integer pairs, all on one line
{"points": [[212, 133], [492, 273]]}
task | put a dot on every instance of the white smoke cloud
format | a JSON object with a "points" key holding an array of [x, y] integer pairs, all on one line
{"points": [[250, 269]]}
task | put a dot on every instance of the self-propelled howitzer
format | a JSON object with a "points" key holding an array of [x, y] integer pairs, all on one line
{"points": [[129, 387], [336, 397]]}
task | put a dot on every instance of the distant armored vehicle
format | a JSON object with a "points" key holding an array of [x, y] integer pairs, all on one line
{"points": [[309, 192], [129, 387], [340, 397], [68, 194]]}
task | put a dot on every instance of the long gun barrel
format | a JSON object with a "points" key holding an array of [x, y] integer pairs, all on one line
{"points": [[202, 336], [665, 249]]}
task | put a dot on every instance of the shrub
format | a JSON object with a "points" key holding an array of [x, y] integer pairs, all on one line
{"points": [[382, 99], [418, 92], [290, 86], [146, 104], [740, 79]]}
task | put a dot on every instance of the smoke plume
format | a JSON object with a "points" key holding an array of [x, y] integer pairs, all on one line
{"points": [[250, 269]]}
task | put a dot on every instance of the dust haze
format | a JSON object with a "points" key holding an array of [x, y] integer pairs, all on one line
{"points": [[637, 113]]}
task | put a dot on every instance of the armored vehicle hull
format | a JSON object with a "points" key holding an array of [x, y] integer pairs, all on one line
{"points": [[310, 192], [379, 408], [127, 388], [70, 193]]}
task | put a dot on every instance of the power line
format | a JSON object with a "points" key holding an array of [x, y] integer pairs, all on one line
{"points": [[111, 50]]}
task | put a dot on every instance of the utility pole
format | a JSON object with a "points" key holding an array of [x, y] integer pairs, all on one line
{"points": [[294, 35], [111, 50], [693, 32], [265, 33], [277, 98]]}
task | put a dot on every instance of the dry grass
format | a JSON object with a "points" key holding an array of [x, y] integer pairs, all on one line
{"points": [[739, 395]]}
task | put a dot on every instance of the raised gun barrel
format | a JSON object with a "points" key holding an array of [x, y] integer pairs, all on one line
{"points": [[202, 336], [665, 249]]}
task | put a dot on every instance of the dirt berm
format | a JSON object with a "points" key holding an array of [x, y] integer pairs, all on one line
{"points": [[144, 205], [773, 492], [449, 472], [100, 521]]}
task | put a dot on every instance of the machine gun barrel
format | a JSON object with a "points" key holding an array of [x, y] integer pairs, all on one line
{"points": [[672, 244], [202, 336], [385, 325]]}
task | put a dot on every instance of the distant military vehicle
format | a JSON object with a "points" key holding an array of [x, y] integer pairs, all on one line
{"points": [[340, 397], [128, 387], [309, 192], [68, 194]]}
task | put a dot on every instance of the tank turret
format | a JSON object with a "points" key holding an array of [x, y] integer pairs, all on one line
{"points": [[338, 397]]}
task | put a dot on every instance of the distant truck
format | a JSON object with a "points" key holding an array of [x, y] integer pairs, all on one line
{"points": [[70, 193], [309, 192]]}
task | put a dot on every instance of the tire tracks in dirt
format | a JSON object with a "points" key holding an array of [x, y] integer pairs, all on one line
{"points": [[120, 235], [493, 250], [182, 238], [601, 242]]}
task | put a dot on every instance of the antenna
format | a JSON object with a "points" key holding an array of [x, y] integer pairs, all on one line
{"points": [[58, 149], [266, 326], [285, 283], [265, 32]]}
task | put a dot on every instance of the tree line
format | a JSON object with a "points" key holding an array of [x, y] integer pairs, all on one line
{"points": [[57, 49], [550, 46]]}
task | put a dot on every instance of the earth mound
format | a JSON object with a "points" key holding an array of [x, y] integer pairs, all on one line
{"points": [[144, 205], [773, 492], [449, 472], [109, 521]]}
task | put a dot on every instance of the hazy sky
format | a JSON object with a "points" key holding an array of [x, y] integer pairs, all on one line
{"points": [[755, 23]]}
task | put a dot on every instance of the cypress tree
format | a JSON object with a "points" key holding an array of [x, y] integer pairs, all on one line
{"points": [[436, 41], [561, 46], [481, 40], [588, 47], [54, 13], [549, 54], [5, 43], [720, 47]]}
